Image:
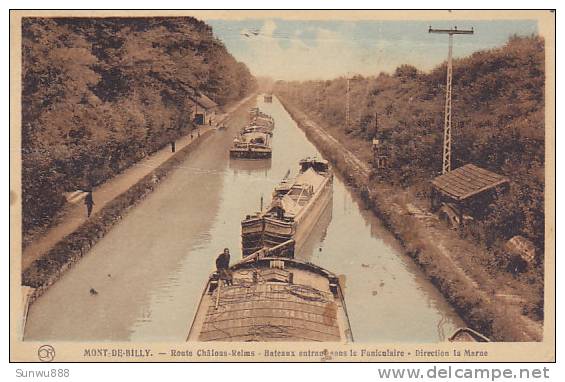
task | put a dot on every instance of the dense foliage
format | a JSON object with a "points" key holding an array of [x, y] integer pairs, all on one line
{"points": [[100, 93], [498, 124]]}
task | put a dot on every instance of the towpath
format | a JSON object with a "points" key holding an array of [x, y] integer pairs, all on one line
{"points": [[461, 253], [74, 214]]}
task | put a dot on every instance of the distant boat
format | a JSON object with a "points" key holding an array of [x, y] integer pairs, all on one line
{"points": [[272, 298], [254, 140], [257, 117], [296, 206], [252, 145], [255, 127]]}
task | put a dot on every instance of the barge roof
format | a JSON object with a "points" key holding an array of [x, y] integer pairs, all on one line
{"points": [[293, 203], [273, 308]]}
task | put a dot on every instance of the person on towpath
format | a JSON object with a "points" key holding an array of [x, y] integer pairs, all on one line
{"points": [[89, 202]]}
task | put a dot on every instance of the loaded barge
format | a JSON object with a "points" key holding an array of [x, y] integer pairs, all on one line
{"points": [[272, 297], [252, 145], [295, 208], [258, 118], [269, 295], [254, 140]]}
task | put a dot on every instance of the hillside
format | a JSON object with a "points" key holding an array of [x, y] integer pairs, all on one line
{"points": [[498, 121], [98, 94]]}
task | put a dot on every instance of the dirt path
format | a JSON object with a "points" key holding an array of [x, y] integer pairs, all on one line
{"points": [[75, 213], [502, 292]]}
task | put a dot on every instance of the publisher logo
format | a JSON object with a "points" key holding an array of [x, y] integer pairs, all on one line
{"points": [[46, 353]]}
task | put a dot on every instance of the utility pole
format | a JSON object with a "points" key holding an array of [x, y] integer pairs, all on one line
{"points": [[447, 113], [347, 100], [347, 106], [319, 96]]}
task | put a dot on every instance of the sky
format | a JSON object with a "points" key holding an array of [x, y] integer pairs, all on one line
{"points": [[319, 49]]}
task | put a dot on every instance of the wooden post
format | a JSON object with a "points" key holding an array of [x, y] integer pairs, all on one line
{"points": [[219, 291]]}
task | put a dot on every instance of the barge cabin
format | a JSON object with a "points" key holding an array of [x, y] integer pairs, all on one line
{"points": [[296, 206]]}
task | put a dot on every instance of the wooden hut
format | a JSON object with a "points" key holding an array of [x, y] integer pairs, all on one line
{"points": [[465, 193], [204, 109]]}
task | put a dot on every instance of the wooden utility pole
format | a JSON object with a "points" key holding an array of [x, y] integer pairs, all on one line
{"points": [[447, 113], [347, 100], [347, 106]]}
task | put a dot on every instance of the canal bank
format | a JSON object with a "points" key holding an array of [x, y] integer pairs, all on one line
{"points": [[150, 269], [481, 309], [68, 245]]}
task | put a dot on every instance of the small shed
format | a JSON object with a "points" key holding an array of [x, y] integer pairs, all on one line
{"points": [[204, 109], [467, 191]]}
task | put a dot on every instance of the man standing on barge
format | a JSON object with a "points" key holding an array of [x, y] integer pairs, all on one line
{"points": [[223, 265]]}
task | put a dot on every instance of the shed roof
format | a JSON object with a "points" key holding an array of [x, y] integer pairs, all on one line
{"points": [[204, 101], [467, 181]]}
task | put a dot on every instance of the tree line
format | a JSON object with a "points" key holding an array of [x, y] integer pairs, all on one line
{"points": [[98, 94], [498, 124]]}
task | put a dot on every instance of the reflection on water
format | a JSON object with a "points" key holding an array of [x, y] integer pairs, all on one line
{"points": [[250, 166], [150, 270], [316, 239]]}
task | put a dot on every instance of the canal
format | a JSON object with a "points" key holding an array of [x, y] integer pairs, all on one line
{"points": [[150, 269]]}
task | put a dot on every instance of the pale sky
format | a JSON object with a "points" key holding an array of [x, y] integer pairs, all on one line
{"points": [[300, 50]]}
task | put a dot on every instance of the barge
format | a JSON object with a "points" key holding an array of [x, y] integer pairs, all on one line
{"points": [[271, 297], [257, 117], [467, 335], [254, 140], [296, 207], [252, 145], [253, 128]]}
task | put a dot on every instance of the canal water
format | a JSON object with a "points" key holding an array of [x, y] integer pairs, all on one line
{"points": [[150, 269]]}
